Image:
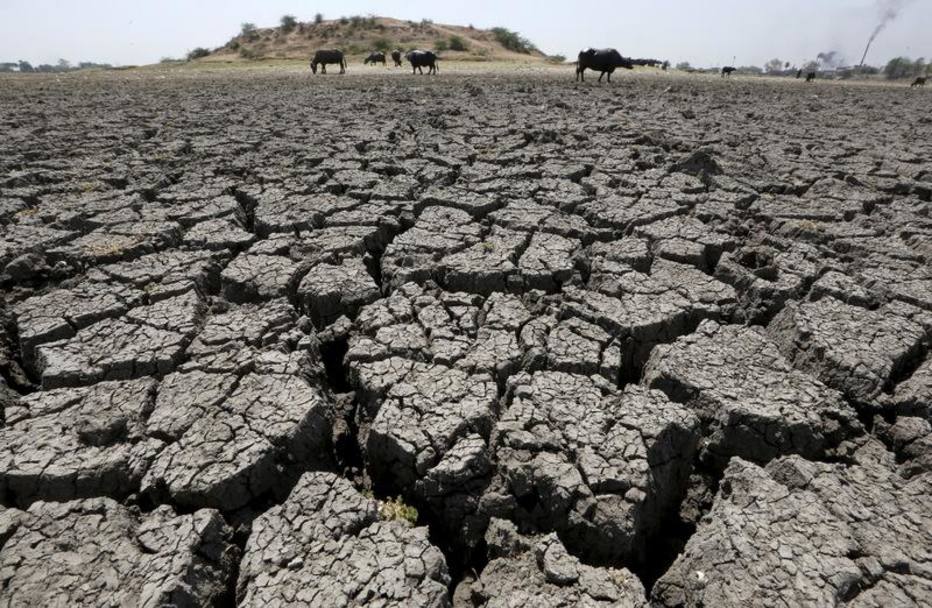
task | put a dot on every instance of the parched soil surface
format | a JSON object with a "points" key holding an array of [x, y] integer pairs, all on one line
{"points": [[661, 342]]}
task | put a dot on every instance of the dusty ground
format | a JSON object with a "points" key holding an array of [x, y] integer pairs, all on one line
{"points": [[660, 342]]}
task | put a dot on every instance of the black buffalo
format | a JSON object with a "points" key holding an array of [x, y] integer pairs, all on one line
{"points": [[810, 76], [601, 60], [374, 58], [651, 63], [396, 57], [422, 59], [323, 57], [727, 70], [919, 82]]}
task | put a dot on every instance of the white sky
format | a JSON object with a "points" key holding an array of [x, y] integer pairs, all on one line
{"points": [[709, 32]]}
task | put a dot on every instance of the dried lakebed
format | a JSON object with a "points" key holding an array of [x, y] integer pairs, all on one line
{"points": [[473, 341]]}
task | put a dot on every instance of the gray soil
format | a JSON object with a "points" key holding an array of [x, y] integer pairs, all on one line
{"points": [[664, 342]]}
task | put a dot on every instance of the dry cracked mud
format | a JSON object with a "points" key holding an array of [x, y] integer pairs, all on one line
{"points": [[485, 339]]}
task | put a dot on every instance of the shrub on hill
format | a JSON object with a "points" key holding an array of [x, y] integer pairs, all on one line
{"points": [[457, 43], [198, 53], [249, 31], [382, 44], [288, 23], [513, 41]]}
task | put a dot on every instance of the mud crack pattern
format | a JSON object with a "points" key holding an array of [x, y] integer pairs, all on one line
{"points": [[272, 341]]}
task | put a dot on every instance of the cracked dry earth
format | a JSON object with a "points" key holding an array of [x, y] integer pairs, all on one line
{"points": [[660, 343]]}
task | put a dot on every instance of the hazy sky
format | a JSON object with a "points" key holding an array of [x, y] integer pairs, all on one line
{"points": [[707, 32]]}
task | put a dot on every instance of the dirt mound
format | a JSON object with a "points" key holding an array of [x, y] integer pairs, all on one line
{"points": [[357, 36]]}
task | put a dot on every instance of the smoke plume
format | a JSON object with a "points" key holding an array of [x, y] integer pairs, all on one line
{"points": [[831, 60], [889, 11]]}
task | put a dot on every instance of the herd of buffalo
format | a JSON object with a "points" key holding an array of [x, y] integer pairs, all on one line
{"points": [[418, 59], [604, 61]]}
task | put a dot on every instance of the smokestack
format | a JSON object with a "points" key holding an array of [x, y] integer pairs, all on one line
{"points": [[889, 11]]}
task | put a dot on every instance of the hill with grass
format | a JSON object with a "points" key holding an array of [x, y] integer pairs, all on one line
{"points": [[357, 36]]}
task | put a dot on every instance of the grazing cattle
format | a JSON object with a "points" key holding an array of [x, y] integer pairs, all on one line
{"points": [[323, 57], [374, 58], [422, 59], [600, 60], [396, 57], [651, 63], [919, 82], [727, 70], [810, 76]]}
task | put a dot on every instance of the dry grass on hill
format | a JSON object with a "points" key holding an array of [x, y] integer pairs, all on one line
{"points": [[357, 36]]}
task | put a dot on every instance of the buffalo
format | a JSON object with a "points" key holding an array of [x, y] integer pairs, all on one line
{"points": [[323, 57], [727, 70], [374, 58], [396, 57], [651, 63], [810, 76], [601, 60], [919, 82], [420, 59]]}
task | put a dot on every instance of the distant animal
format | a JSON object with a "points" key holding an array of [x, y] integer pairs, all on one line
{"points": [[420, 59], [919, 82], [651, 63], [810, 76], [324, 56], [727, 70], [600, 60], [374, 58], [799, 74], [396, 57]]}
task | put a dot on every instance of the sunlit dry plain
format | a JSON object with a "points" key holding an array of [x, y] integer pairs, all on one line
{"points": [[486, 338]]}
